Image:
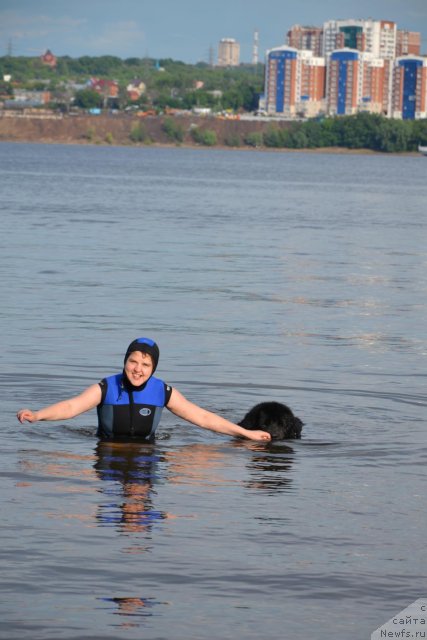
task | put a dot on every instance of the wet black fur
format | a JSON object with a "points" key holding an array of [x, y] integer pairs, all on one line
{"points": [[275, 418]]}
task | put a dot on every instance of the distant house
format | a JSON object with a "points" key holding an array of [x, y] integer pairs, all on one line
{"points": [[106, 88], [48, 59], [135, 89], [24, 98]]}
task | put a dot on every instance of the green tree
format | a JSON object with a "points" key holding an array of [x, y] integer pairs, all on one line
{"points": [[173, 130], [273, 137], [328, 135], [393, 135], [233, 140], [418, 134], [315, 135], [250, 95], [138, 133], [254, 139], [87, 99], [232, 99], [206, 137]]}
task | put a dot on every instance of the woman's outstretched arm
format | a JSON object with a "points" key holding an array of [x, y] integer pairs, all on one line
{"points": [[180, 406], [65, 409]]}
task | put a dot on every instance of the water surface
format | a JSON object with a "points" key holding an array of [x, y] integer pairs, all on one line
{"points": [[289, 276]]}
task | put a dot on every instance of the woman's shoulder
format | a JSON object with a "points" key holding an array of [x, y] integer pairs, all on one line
{"points": [[116, 377]]}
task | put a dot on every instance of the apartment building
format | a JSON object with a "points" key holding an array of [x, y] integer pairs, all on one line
{"points": [[372, 36], [357, 81], [311, 79], [408, 43], [280, 81], [359, 71], [410, 88], [342, 89], [228, 53], [294, 82], [306, 38]]}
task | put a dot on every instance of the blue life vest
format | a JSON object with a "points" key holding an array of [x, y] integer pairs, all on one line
{"points": [[125, 414]]}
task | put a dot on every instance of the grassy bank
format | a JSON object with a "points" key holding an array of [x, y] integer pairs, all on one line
{"points": [[357, 133]]}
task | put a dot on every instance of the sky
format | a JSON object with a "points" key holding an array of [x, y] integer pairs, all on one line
{"points": [[186, 30]]}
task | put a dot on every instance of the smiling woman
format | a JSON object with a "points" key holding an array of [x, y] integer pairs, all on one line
{"points": [[130, 403], [138, 367]]}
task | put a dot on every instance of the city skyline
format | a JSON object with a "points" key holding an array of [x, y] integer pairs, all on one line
{"points": [[181, 31]]}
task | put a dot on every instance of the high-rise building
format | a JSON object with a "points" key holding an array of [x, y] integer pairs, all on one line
{"points": [[342, 85], [294, 82], [307, 38], [373, 36], [410, 88], [357, 81], [228, 53], [408, 43], [280, 79], [387, 33], [351, 37], [376, 80], [359, 71], [311, 80]]}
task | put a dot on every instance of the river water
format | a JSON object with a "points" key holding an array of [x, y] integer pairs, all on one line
{"points": [[294, 277]]}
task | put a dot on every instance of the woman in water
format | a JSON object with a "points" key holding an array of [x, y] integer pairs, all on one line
{"points": [[130, 403]]}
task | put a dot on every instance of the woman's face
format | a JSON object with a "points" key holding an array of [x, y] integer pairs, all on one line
{"points": [[138, 368]]}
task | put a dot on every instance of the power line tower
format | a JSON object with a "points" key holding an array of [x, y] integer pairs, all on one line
{"points": [[255, 48], [9, 52]]}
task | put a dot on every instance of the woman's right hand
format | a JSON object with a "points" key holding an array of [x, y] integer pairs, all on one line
{"points": [[88, 399], [26, 415]]}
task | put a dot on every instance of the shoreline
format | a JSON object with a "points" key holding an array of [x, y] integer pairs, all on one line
{"points": [[117, 130], [218, 147]]}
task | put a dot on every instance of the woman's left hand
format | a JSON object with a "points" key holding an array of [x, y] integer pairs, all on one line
{"points": [[258, 435]]}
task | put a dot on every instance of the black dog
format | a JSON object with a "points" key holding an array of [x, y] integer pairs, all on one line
{"points": [[275, 418]]}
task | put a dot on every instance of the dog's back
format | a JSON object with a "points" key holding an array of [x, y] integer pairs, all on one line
{"points": [[275, 418]]}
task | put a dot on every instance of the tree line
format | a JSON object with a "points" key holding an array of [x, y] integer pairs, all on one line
{"points": [[169, 83], [361, 131]]}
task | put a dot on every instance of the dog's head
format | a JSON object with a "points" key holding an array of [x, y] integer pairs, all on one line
{"points": [[275, 418]]}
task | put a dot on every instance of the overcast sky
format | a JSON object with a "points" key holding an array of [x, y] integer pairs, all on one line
{"points": [[180, 29]]}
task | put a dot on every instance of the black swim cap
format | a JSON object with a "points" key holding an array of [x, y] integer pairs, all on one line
{"points": [[146, 346]]}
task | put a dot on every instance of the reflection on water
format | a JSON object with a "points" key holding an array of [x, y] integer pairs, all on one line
{"points": [[270, 471], [128, 472], [198, 465], [269, 467], [132, 609]]}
